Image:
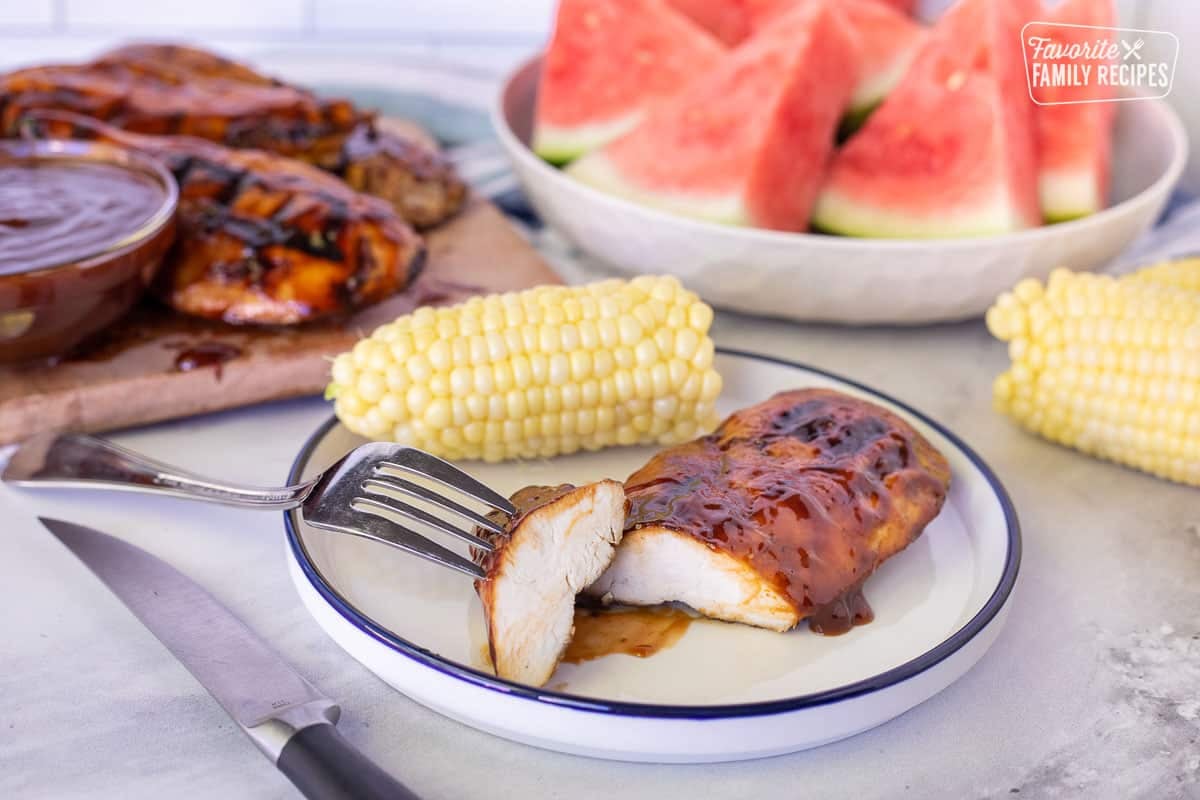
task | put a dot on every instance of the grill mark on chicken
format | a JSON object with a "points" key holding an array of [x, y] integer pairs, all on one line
{"points": [[813, 489], [176, 90], [264, 239], [421, 191]]}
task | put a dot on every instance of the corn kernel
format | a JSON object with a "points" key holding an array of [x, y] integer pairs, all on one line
{"points": [[589, 394], [687, 341], [423, 338], [417, 398], [700, 317], [559, 371], [343, 370], [437, 414], [646, 353], [551, 399], [349, 404], [370, 386], [630, 330], [609, 333], [570, 395], [581, 365], [392, 408], [462, 381], [666, 407], [502, 376], [497, 408], [623, 382], [534, 400], [459, 415]]}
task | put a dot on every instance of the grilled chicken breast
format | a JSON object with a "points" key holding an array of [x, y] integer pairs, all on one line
{"points": [[780, 514], [559, 542], [263, 239], [178, 63], [176, 90]]}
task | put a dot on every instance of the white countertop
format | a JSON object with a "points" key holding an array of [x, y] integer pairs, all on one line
{"points": [[1092, 689]]}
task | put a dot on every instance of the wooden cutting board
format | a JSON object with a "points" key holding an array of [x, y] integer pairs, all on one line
{"points": [[138, 372]]}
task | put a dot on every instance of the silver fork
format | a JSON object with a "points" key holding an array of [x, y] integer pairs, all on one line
{"points": [[360, 494]]}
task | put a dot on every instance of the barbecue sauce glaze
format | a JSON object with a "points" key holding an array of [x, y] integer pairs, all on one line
{"points": [[799, 487]]}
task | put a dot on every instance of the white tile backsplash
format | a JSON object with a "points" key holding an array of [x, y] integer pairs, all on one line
{"points": [[446, 16], [36, 14], [179, 17]]}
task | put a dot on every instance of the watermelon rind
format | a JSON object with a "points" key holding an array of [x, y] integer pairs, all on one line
{"points": [[870, 92], [854, 119], [596, 170], [561, 146], [868, 96], [1066, 195], [840, 215]]}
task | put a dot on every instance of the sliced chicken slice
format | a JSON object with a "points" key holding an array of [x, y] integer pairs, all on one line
{"points": [[560, 541], [657, 564], [779, 515]]}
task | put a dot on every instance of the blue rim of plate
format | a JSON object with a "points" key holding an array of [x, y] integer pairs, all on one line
{"points": [[883, 680]]}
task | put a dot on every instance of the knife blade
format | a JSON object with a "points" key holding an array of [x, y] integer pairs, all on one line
{"points": [[289, 720]]}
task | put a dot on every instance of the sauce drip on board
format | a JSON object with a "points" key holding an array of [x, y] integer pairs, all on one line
{"points": [[206, 354], [57, 213], [639, 632]]}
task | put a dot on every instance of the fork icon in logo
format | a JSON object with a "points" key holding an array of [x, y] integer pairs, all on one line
{"points": [[1132, 49]]}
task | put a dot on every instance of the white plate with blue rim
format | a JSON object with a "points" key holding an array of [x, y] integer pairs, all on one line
{"points": [[721, 692]]}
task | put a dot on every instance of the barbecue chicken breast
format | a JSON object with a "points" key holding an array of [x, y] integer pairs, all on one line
{"points": [[263, 239], [175, 90], [559, 542], [780, 514]]}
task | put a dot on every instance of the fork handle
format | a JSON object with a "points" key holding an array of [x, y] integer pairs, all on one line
{"points": [[74, 460]]}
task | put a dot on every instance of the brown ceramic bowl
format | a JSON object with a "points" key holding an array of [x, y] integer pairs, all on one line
{"points": [[49, 306]]}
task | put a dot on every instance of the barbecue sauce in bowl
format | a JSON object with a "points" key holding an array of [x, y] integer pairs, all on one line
{"points": [[55, 212], [83, 229]]}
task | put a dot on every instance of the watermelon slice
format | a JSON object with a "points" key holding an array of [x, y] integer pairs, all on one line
{"points": [[607, 61], [1074, 142], [951, 151], [887, 39], [746, 144]]}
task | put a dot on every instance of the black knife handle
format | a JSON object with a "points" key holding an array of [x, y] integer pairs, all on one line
{"points": [[324, 766]]}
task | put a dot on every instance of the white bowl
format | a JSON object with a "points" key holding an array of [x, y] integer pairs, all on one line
{"points": [[805, 276]]}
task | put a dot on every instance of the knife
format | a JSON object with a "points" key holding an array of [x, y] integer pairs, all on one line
{"points": [[289, 720]]}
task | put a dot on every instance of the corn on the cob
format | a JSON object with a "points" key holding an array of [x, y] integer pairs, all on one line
{"points": [[1182, 274], [537, 373], [1108, 366]]}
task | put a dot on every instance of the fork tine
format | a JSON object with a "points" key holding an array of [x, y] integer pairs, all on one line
{"points": [[403, 486], [402, 538], [417, 461], [375, 485]]}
